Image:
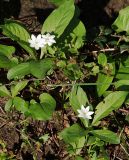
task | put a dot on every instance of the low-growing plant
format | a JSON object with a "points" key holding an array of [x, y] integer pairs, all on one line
{"points": [[58, 48]]}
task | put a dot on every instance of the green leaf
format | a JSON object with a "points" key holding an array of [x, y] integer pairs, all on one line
{"points": [[80, 30], [75, 148], [122, 22], [7, 50], [16, 31], [19, 71], [18, 87], [104, 80], [40, 112], [4, 92], [6, 63], [39, 69], [8, 105], [102, 59], [44, 110], [123, 73], [79, 158], [20, 104], [44, 138], [112, 102], [122, 85], [30, 50], [107, 136], [47, 98], [72, 134], [78, 98], [57, 25]]}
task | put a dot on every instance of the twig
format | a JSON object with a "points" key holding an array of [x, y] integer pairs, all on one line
{"points": [[105, 50], [123, 110], [124, 150]]}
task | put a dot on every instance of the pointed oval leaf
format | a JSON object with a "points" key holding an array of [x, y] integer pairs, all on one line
{"points": [[4, 92], [21, 105], [102, 59], [39, 69], [6, 50], [40, 111], [8, 105], [122, 22], [47, 98], [112, 102], [59, 19], [72, 134], [19, 71], [78, 98], [5, 62], [45, 109], [18, 87], [104, 81], [122, 85], [107, 136], [15, 30]]}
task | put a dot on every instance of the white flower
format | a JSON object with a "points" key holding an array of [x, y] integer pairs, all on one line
{"points": [[49, 39], [36, 42], [85, 113]]}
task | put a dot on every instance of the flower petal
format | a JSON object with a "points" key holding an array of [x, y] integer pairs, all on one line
{"points": [[90, 113]]}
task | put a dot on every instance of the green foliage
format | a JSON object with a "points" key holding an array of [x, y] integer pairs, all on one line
{"points": [[107, 136], [105, 79], [6, 63], [72, 134], [123, 72], [78, 98], [122, 22], [18, 87], [4, 91], [38, 69], [112, 102], [44, 109], [81, 75], [7, 50], [102, 59], [17, 32], [20, 105], [57, 25]]}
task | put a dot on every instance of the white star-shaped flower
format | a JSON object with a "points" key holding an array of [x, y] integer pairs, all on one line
{"points": [[49, 39], [85, 113], [36, 42]]}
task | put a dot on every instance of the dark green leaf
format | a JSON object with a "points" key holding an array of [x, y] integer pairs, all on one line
{"points": [[19, 71], [112, 102], [107, 136], [21, 105], [72, 134], [39, 69]]}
